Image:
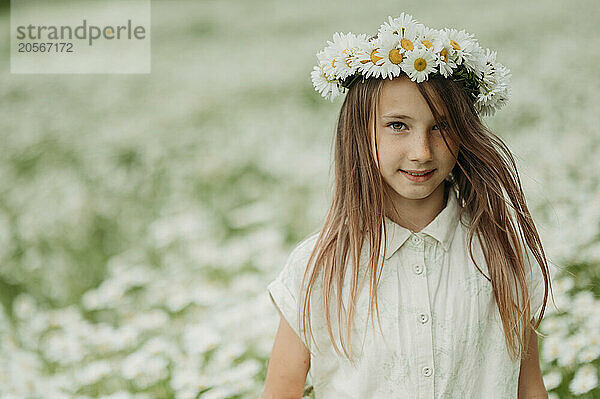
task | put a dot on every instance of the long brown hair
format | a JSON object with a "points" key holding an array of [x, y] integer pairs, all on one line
{"points": [[484, 170]]}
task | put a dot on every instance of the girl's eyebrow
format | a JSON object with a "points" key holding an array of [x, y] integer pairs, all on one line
{"points": [[399, 116], [393, 115]]}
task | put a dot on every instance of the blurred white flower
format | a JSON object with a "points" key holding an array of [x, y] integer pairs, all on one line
{"points": [[186, 375], [589, 354], [24, 306], [583, 303], [149, 320], [186, 393], [551, 348], [124, 337], [160, 346], [247, 284], [62, 347], [126, 395], [119, 395], [207, 296], [226, 354], [585, 379], [104, 338], [200, 338], [133, 276], [552, 379], [254, 213], [186, 226], [569, 350], [239, 375], [143, 369], [6, 237], [93, 372], [107, 295], [592, 322], [91, 300], [25, 373], [178, 298], [219, 393], [554, 326]]}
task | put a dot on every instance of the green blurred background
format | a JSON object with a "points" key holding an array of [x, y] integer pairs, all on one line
{"points": [[142, 216]]}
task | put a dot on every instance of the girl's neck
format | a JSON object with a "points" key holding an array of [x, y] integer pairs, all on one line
{"points": [[416, 214]]}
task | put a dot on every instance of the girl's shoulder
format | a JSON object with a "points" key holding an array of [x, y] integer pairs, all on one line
{"points": [[293, 270], [304, 247]]}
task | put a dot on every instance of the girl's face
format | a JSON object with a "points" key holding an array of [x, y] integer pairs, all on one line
{"points": [[408, 139]]}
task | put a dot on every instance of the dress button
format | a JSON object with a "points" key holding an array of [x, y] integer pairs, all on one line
{"points": [[427, 371], [418, 269], [423, 318], [416, 239]]}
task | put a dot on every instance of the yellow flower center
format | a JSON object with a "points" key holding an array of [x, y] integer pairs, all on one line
{"points": [[427, 43], [420, 64], [348, 62], [395, 56], [455, 45], [407, 45], [375, 57], [444, 55]]}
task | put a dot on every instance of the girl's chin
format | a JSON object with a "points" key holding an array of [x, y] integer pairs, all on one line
{"points": [[414, 194]]}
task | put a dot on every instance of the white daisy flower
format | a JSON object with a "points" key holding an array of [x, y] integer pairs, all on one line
{"points": [[419, 64], [494, 91], [342, 54], [391, 56], [551, 349], [429, 38], [489, 75], [404, 45], [568, 352], [585, 379], [324, 83], [404, 28], [370, 59], [398, 25], [475, 59], [593, 337], [462, 42], [552, 379], [445, 55], [564, 283], [589, 354]]}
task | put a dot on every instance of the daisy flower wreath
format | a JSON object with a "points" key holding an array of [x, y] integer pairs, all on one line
{"points": [[403, 45]]}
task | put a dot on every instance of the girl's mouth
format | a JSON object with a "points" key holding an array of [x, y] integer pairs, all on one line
{"points": [[418, 176]]}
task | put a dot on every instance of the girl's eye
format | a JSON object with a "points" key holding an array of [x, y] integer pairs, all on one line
{"points": [[444, 125], [396, 123]]}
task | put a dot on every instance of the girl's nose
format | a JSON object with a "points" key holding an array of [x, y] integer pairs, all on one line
{"points": [[420, 148]]}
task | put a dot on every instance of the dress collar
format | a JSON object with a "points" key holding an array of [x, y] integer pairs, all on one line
{"points": [[441, 228]]}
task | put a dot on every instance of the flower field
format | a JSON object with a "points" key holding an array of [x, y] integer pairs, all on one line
{"points": [[143, 216]]}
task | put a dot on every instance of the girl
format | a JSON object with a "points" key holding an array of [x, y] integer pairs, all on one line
{"points": [[462, 273]]}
